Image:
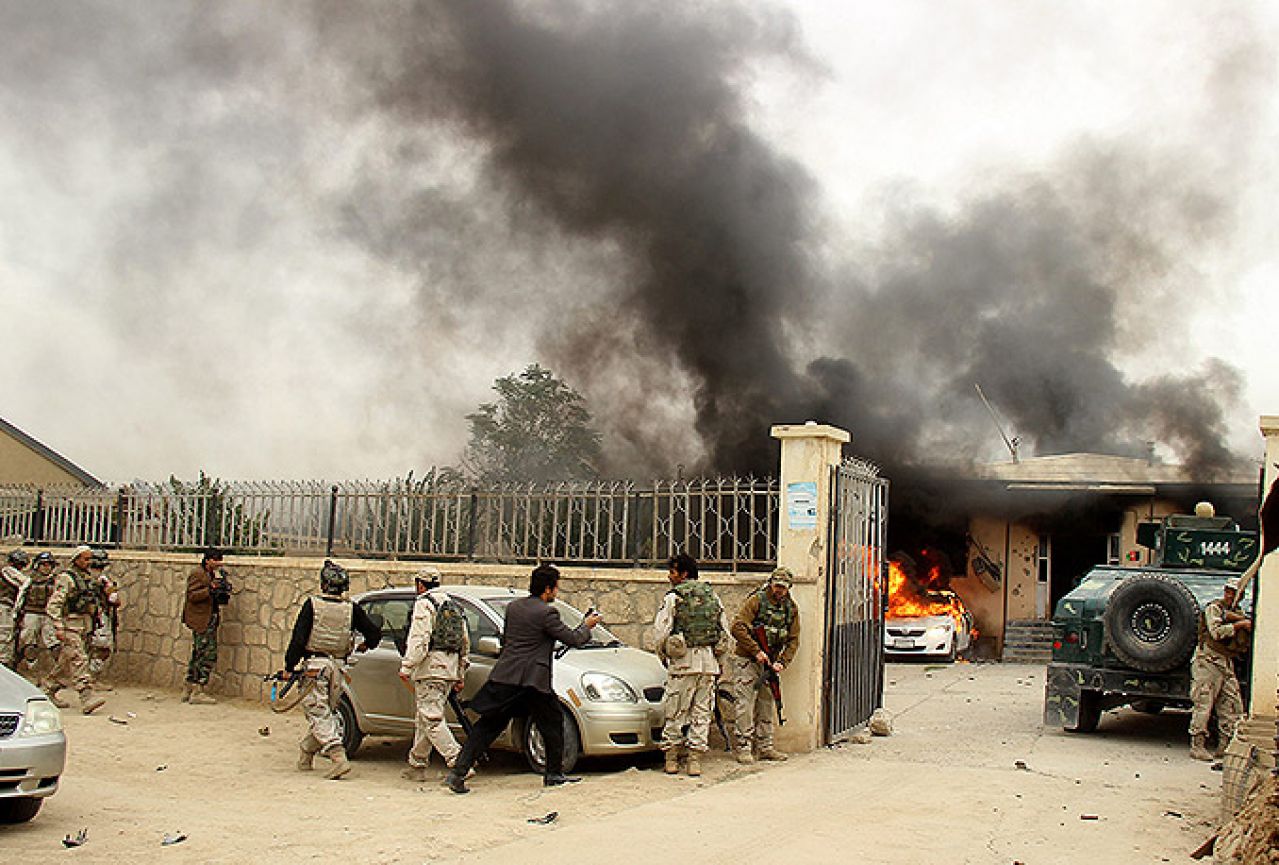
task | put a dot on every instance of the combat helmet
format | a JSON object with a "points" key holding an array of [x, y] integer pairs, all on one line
{"points": [[334, 579], [45, 558], [19, 558]]}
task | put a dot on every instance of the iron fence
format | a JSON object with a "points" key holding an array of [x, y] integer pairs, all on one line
{"points": [[720, 521]]}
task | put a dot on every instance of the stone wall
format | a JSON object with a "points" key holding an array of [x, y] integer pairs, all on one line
{"points": [[153, 646]]}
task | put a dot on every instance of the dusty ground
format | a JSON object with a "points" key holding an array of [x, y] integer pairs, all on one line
{"points": [[944, 789]]}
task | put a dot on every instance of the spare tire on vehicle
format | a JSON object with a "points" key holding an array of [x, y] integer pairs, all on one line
{"points": [[1152, 623]]}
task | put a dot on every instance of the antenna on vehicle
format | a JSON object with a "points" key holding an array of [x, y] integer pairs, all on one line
{"points": [[1011, 443]]}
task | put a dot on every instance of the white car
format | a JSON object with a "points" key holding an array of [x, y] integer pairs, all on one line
{"points": [[944, 636], [33, 748]]}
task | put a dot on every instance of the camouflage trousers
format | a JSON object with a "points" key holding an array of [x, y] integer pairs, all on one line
{"points": [[430, 729], [8, 637], [1214, 688], [72, 667], [38, 644], [204, 654], [753, 706], [101, 646], [319, 705], [688, 711]]}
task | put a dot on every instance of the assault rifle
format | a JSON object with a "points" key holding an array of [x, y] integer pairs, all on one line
{"points": [[768, 676]]}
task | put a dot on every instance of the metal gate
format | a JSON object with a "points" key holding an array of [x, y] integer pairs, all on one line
{"points": [[853, 659]]}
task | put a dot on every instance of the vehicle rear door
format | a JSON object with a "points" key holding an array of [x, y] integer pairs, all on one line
{"points": [[383, 697]]}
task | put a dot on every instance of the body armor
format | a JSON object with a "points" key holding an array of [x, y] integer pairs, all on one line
{"points": [[449, 628], [82, 599], [37, 597], [775, 618], [697, 614], [1235, 647], [330, 628]]}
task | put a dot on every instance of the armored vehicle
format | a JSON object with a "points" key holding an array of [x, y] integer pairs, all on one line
{"points": [[1124, 635]]}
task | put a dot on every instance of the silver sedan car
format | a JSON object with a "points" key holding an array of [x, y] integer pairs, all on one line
{"points": [[33, 748], [611, 694]]}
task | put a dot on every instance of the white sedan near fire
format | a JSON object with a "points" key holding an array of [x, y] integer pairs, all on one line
{"points": [[943, 636]]}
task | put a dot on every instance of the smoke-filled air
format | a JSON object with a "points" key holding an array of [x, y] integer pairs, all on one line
{"points": [[304, 239]]}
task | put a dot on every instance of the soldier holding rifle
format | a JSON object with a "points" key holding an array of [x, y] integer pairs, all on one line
{"points": [[766, 631]]}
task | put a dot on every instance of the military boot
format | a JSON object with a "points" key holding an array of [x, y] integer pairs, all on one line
{"points": [[1199, 748], [744, 756], [91, 702], [341, 765], [51, 691], [199, 698], [672, 761], [772, 755], [187, 688], [414, 773], [694, 764]]}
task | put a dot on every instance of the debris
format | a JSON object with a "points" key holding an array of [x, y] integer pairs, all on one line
{"points": [[114, 720], [861, 737], [175, 838], [549, 818], [1205, 849], [1176, 814], [1021, 764], [1216, 767], [881, 723], [1089, 817], [162, 767], [264, 731], [79, 838], [131, 714]]}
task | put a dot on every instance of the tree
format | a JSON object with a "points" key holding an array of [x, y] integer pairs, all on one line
{"points": [[538, 430]]}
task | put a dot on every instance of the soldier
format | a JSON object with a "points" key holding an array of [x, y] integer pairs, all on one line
{"points": [[434, 665], [689, 626], [38, 640], [102, 642], [322, 638], [207, 591], [771, 611], [11, 582], [1223, 636], [72, 607]]}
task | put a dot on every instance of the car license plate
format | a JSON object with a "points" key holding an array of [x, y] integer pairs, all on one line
{"points": [[903, 643]]}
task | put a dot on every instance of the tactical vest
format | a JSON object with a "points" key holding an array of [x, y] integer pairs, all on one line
{"points": [[82, 598], [37, 597], [8, 591], [1234, 647], [448, 629], [774, 618], [697, 614], [330, 628]]}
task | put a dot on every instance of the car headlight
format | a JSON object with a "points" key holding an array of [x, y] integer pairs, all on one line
{"points": [[603, 688], [42, 718]]}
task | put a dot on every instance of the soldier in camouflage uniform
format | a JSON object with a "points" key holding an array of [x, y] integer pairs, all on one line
{"points": [[321, 642], [11, 583], [1223, 636], [72, 609], [434, 665], [771, 609], [38, 640], [689, 628], [102, 641]]}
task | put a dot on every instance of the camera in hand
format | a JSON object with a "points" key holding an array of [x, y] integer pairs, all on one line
{"points": [[220, 588]]}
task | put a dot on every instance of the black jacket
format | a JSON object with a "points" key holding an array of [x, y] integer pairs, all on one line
{"points": [[532, 628]]}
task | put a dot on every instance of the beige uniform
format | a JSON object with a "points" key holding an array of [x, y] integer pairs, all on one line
{"points": [[329, 645], [690, 685], [1214, 687], [753, 704], [38, 638], [434, 673], [70, 612], [11, 582]]}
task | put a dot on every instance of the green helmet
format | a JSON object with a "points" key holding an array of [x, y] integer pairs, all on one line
{"points": [[334, 579]]}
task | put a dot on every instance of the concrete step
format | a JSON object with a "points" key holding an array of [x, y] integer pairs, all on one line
{"points": [[1015, 657]]}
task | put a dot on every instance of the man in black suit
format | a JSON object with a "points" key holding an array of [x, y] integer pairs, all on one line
{"points": [[520, 683]]}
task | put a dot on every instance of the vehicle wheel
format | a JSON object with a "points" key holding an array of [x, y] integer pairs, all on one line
{"points": [[1152, 623], [535, 749], [1149, 707], [19, 810], [348, 728], [1089, 713]]}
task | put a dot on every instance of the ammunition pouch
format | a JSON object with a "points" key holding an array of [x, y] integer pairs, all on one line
{"points": [[675, 647]]}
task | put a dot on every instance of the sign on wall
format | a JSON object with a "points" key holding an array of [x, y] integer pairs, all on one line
{"points": [[801, 505]]}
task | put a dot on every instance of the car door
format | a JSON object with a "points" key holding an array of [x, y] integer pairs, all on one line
{"points": [[384, 699], [478, 625]]}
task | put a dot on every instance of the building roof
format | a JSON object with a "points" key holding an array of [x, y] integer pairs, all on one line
{"points": [[50, 454], [1100, 473]]}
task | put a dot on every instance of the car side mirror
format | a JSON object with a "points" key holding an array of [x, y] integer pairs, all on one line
{"points": [[490, 646]]}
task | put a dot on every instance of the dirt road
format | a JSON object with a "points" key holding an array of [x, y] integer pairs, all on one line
{"points": [[944, 789]]}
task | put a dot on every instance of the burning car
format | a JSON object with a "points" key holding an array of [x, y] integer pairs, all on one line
{"points": [[924, 621]]}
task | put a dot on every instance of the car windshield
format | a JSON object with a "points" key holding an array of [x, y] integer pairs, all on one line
{"points": [[601, 638]]}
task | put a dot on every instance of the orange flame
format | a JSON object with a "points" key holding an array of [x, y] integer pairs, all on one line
{"points": [[905, 601]]}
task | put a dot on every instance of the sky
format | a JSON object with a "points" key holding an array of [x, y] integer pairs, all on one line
{"points": [[231, 242]]}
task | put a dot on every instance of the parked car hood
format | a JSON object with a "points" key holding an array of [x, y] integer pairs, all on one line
{"points": [[922, 622], [638, 668], [15, 691]]}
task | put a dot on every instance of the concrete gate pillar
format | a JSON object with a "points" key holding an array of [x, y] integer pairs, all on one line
{"points": [[1265, 662], [808, 452]]}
